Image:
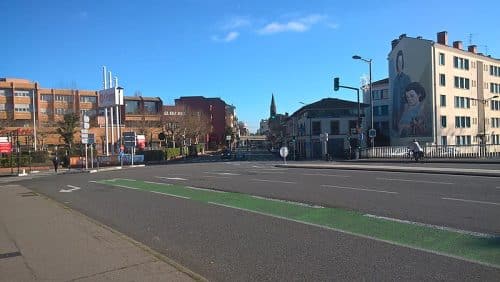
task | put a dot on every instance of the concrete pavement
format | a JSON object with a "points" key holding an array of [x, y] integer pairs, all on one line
{"points": [[417, 168], [41, 240]]}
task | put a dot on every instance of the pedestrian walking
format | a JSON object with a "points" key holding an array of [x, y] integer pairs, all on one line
{"points": [[56, 162]]}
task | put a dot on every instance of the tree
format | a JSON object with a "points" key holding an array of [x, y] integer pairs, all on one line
{"points": [[66, 128], [195, 125]]}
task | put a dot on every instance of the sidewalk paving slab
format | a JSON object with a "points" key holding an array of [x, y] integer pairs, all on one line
{"points": [[59, 244]]}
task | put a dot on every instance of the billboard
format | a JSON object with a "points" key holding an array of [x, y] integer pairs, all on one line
{"points": [[410, 80], [110, 97]]}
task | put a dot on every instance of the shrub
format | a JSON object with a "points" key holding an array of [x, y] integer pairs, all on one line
{"points": [[40, 157], [172, 153]]}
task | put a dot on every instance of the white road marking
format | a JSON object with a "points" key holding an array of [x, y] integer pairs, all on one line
{"points": [[218, 177], [416, 181], [73, 188], [205, 189], [274, 181], [359, 189], [472, 201], [359, 235], [266, 172], [93, 181], [161, 193], [171, 178], [221, 173], [289, 202], [477, 234], [320, 174], [159, 183]]}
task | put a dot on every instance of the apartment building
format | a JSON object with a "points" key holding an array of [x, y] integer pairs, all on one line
{"points": [[382, 110], [443, 94]]}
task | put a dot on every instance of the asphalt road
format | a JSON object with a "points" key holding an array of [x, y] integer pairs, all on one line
{"points": [[225, 244]]}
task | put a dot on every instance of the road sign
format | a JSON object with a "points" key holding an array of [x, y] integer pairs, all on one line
{"points": [[84, 131], [228, 137], [86, 124], [129, 139], [284, 152], [323, 137], [85, 140], [372, 133]]}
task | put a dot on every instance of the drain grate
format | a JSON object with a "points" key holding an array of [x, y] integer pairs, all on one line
{"points": [[10, 255]]}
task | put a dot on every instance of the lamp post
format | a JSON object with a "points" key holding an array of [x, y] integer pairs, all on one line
{"points": [[369, 61], [484, 102]]}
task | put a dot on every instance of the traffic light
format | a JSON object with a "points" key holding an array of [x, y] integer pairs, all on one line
{"points": [[336, 84]]}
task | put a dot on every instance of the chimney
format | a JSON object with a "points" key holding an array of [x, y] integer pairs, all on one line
{"points": [[442, 37], [472, 49], [402, 36], [394, 43], [457, 44]]}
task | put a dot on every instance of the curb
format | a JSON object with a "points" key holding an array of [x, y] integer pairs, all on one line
{"points": [[483, 172]]}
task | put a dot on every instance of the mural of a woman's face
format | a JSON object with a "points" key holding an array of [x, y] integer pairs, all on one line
{"points": [[412, 97]]}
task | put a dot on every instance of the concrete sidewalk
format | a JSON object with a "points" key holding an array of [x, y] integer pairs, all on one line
{"points": [[393, 168], [41, 240]]}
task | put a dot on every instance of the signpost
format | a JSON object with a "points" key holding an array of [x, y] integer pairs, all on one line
{"points": [[323, 137], [84, 134]]}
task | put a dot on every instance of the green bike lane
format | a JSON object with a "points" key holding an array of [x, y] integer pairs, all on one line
{"points": [[484, 250]]}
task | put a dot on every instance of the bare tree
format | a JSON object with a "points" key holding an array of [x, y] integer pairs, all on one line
{"points": [[196, 125]]}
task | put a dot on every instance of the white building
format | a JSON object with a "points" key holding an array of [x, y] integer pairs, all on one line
{"points": [[443, 94], [382, 110]]}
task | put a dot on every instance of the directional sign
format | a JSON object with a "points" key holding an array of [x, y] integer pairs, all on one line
{"points": [[84, 131], [91, 138], [129, 139], [372, 133], [284, 152]]}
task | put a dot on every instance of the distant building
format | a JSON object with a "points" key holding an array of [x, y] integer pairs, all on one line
{"points": [[382, 110], [264, 127], [214, 109], [336, 117], [443, 94]]}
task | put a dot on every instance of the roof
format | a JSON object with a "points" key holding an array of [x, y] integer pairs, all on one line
{"points": [[330, 103], [381, 82], [139, 98]]}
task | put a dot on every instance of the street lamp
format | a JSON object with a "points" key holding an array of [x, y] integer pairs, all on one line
{"points": [[369, 61], [484, 102]]}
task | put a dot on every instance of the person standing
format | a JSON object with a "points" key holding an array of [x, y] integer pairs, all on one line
{"points": [[56, 162]]}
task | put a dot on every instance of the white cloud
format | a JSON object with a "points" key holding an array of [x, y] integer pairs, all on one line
{"points": [[231, 36], [236, 22], [297, 25]]}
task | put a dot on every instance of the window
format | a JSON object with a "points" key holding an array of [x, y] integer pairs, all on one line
{"points": [[495, 105], [444, 140], [45, 111], [62, 111], [463, 140], [494, 88], [384, 110], [443, 121], [376, 94], [2, 107], [462, 102], [442, 79], [495, 122], [5, 93], [22, 93], [443, 101], [150, 107], [334, 127], [460, 63], [64, 98], [45, 97], [462, 83], [385, 94], [495, 71], [316, 127], [441, 59], [90, 113], [462, 122], [131, 107], [495, 139], [22, 108], [88, 99]]}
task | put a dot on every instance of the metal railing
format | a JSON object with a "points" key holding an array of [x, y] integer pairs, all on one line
{"points": [[436, 151]]}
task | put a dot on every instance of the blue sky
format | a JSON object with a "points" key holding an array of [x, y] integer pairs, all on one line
{"points": [[240, 51]]}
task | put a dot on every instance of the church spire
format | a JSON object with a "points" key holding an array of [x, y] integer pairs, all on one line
{"points": [[273, 107]]}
